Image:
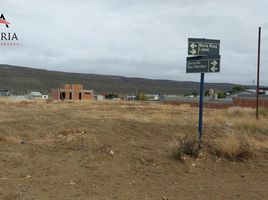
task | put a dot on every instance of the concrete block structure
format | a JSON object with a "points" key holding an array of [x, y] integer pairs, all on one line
{"points": [[72, 92]]}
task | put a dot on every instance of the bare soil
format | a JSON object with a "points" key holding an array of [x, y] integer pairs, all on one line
{"points": [[115, 150]]}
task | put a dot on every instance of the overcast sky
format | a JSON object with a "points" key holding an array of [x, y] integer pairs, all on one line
{"points": [[136, 38]]}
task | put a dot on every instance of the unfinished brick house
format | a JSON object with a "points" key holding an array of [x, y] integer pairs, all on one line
{"points": [[71, 92]]}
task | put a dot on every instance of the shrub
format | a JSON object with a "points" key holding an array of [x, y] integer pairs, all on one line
{"points": [[221, 95], [142, 97], [111, 95], [187, 146], [237, 88]]}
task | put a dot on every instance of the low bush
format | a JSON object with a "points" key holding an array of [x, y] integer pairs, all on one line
{"points": [[187, 146]]}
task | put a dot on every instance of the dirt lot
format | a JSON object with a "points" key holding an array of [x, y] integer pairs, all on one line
{"points": [[119, 150]]}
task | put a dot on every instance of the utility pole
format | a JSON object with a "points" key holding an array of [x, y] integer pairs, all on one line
{"points": [[258, 75]]}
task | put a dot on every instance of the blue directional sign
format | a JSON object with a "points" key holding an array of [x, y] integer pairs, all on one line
{"points": [[203, 64], [203, 47], [204, 58]]}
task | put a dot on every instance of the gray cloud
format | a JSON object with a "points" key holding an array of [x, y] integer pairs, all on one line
{"points": [[136, 38]]}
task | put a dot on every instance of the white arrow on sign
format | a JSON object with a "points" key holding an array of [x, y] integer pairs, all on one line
{"points": [[214, 64], [193, 51], [193, 46]]}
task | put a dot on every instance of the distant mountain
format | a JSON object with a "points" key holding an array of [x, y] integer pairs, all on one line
{"points": [[21, 80]]}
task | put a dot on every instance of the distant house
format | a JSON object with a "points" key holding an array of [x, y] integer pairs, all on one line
{"points": [[4, 92], [152, 97], [247, 93], [35, 95], [239, 93], [72, 92], [99, 97], [131, 97], [263, 90]]}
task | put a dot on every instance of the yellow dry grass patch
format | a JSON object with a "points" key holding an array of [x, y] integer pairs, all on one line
{"points": [[232, 146], [235, 133]]}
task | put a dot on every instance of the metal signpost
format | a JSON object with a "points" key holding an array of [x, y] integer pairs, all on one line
{"points": [[205, 58]]}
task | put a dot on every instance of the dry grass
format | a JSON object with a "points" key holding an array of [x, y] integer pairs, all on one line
{"points": [[263, 112], [239, 112], [251, 126], [236, 132], [228, 132], [232, 147]]}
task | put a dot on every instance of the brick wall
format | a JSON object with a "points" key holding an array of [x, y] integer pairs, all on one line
{"points": [[55, 94], [88, 96], [250, 102], [73, 87], [77, 87]]}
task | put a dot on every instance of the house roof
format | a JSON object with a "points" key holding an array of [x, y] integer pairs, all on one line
{"points": [[245, 90]]}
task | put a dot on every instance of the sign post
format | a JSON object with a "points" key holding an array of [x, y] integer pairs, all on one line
{"points": [[205, 58], [201, 105]]}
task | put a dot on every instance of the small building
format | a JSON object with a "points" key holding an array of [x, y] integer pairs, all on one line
{"points": [[152, 97], [263, 90], [72, 92], [34, 95], [247, 97], [99, 97], [248, 92], [131, 97], [239, 93], [4, 93]]}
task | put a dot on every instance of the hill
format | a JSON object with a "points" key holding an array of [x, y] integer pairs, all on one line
{"points": [[21, 80]]}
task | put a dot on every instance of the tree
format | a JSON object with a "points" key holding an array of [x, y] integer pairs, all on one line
{"points": [[221, 95], [111, 96], [142, 97], [237, 88]]}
